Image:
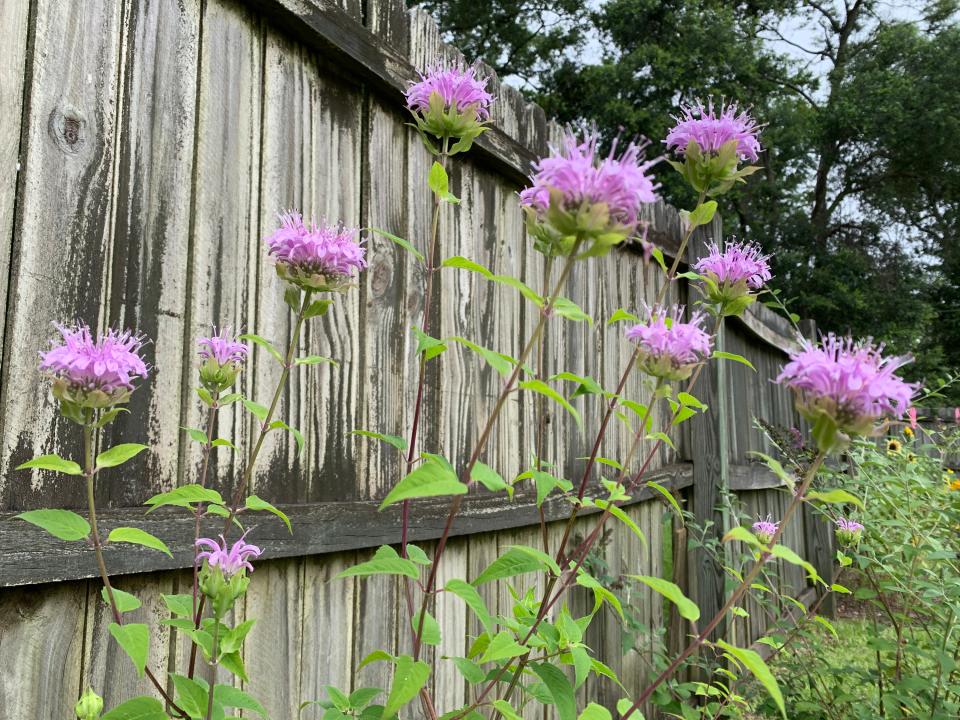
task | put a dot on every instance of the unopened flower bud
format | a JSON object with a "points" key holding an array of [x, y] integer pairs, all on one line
{"points": [[89, 706], [223, 358], [765, 530]]}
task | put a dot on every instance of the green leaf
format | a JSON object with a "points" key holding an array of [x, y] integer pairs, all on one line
{"points": [[406, 245], [395, 440], [297, 435], [64, 524], [468, 593], [263, 343], [233, 662], [119, 454], [785, 553], [538, 386], [623, 705], [489, 478], [375, 656], [595, 712], [125, 601], [506, 709], [179, 605], [184, 496], [138, 537], [719, 354], [755, 664], [428, 346], [139, 708], [828, 625], [258, 410], [703, 213], [600, 593], [431, 479], [431, 628], [197, 435], [361, 697], [560, 689], [668, 496], [620, 315], [586, 385], [463, 263], [229, 696], [315, 360], [517, 560], [191, 695], [685, 606], [291, 296], [135, 641], [657, 254], [317, 308], [256, 504], [570, 310], [471, 672], [232, 641], [408, 677], [743, 535], [620, 515], [836, 496], [440, 183], [503, 364], [52, 462], [503, 646], [386, 561], [417, 555]]}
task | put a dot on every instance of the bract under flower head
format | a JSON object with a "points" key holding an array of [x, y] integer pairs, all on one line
{"points": [[669, 347], [223, 357], [765, 529], [576, 194], [450, 102], [320, 258], [712, 142], [93, 372], [848, 532], [845, 386], [729, 275]]}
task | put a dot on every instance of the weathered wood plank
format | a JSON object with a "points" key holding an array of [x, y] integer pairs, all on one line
{"points": [[14, 19], [43, 628], [322, 25], [67, 159]]}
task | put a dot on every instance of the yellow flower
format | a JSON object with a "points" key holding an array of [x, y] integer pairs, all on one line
{"points": [[911, 458], [893, 446], [908, 431], [955, 485]]}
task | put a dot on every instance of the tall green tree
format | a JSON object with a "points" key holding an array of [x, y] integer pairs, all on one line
{"points": [[859, 198]]}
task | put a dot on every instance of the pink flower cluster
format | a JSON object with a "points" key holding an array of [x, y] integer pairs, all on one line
{"points": [[575, 171], [846, 525], [459, 89], [108, 363], [713, 128], [765, 529], [737, 262], [312, 249], [669, 346], [851, 381], [223, 348], [230, 561]]}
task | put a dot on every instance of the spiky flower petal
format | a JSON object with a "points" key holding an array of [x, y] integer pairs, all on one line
{"points": [[315, 257], [670, 347]]}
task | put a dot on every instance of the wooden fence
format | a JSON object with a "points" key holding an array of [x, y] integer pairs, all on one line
{"points": [[146, 149]]}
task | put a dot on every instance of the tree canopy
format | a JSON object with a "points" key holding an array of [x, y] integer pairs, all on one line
{"points": [[859, 198]]}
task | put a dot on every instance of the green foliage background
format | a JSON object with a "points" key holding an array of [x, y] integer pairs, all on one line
{"points": [[859, 199]]}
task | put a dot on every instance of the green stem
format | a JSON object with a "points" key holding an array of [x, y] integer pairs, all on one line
{"points": [[90, 473], [734, 597], [214, 655], [265, 425]]}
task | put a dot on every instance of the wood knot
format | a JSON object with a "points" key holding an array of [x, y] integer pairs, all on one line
{"points": [[68, 128]]}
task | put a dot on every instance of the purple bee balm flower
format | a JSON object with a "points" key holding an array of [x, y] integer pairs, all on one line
{"points": [[669, 347], [765, 529], [94, 372], [231, 561], [223, 357], [320, 258], [222, 347], [458, 88], [712, 128], [849, 382], [736, 263], [575, 192], [848, 532]]}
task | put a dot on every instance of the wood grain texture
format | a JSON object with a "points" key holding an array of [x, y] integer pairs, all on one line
{"points": [[14, 19]]}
